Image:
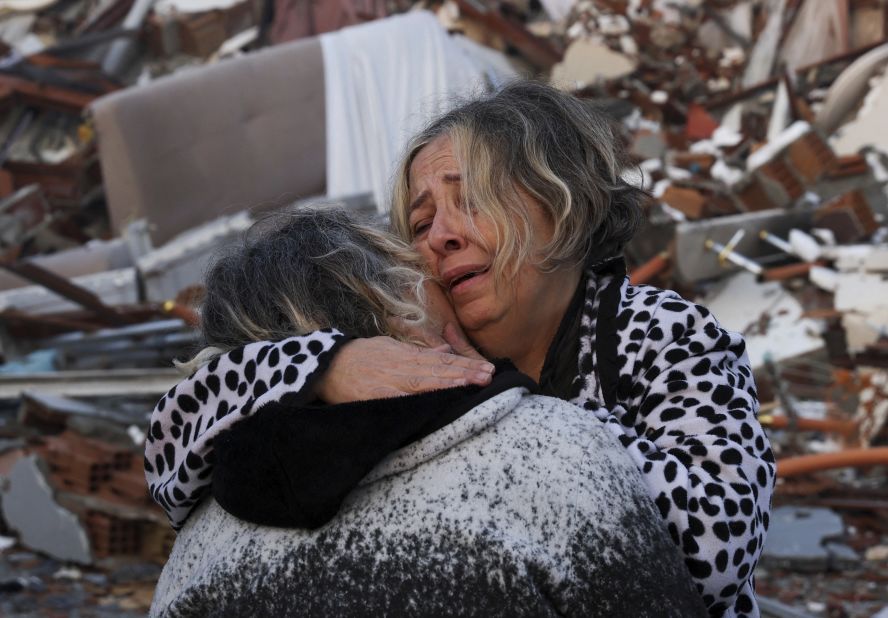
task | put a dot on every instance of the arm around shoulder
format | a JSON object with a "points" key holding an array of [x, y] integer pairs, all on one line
{"points": [[179, 452]]}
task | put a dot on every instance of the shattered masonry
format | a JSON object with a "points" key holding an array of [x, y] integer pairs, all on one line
{"points": [[138, 136]]}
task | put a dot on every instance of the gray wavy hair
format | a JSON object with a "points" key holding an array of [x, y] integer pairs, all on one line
{"points": [[306, 269], [561, 151]]}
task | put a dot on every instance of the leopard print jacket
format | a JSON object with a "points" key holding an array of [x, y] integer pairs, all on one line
{"points": [[660, 372]]}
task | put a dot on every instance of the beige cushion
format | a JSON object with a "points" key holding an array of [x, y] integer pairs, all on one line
{"points": [[247, 132]]}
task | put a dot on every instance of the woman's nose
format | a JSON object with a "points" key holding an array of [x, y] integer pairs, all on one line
{"points": [[446, 234]]}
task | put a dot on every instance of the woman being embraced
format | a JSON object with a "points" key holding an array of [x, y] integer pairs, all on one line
{"points": [[517, 204]]}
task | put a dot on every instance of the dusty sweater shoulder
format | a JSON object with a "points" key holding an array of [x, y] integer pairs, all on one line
{"points": [[506, 489]]}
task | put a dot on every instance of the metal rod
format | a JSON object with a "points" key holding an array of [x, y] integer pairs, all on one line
{"points": [[732, 256], [776, 241], [66, 289]]}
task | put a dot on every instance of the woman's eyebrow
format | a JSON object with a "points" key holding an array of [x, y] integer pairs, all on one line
{"points": [[418, 200], [450, 178]]}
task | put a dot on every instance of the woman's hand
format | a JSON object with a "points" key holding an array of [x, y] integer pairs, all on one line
{"points": [[382, 367]]}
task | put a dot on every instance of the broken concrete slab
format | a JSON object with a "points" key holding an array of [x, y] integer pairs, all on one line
{"points": [[182, 261], [861, 293], [849, 89], [817, 31], [796, 538], [764, 53], [96, 256], [804, 245], [870, 127], [114, 287], [588, 61], [695, 263], [29, 508], [864, 330], [52, 414], [768, 316], [842, 557], [869, 258]]}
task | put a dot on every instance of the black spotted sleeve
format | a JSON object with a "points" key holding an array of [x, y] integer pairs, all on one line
{"points": [[179, 451], [686, 410]]}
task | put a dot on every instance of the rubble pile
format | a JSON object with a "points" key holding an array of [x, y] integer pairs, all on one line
{"points": [[759, 128], [756, 127]]}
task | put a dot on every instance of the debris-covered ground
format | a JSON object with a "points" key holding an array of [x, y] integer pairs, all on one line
{"points": [[760, 128]]}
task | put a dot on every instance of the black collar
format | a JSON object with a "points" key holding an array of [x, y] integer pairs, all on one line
{"points": [[557, 378]]}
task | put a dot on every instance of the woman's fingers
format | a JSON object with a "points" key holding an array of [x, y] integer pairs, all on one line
{"points": [[430, 369], [426, 333], [458, 341], [382, 367]]}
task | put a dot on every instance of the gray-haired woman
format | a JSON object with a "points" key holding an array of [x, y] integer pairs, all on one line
{"points": [[517, 204], [473, 501]]}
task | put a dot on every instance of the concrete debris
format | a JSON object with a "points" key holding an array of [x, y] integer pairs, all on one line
{"points": [[769, 317], [868, 128], [182, 261], [849, 89], [878, 553], [587, 62], [841, 557], [872, 410], [819, 30], [118, 287], [861, 292], [758, 126], [763, 56], [797, 538], [29, 508], [860, 258]]}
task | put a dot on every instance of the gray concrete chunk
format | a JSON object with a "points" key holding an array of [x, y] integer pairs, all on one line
{"points": [[797, 536], [30, 509]]}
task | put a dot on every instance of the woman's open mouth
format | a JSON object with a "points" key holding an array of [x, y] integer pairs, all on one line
{"points": [[465, 281]]}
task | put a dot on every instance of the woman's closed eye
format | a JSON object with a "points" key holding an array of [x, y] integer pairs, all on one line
{"points": [[421, 227]]}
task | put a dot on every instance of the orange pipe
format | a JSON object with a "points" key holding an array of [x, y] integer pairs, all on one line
{"points": [[650, 269], [852, 458], [781, 273], [828, 425]]}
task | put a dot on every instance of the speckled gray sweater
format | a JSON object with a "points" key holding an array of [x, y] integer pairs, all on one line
{"points": [[524, 506]]}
